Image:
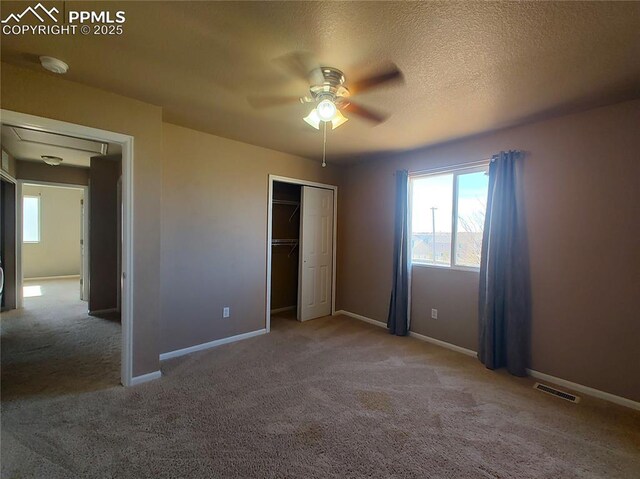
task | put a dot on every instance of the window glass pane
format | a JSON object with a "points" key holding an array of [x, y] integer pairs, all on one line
{"points": [[431, 219], [472, 204], [31, 219]]}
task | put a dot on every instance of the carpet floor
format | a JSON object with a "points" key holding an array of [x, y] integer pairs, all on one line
{"points": [[53, 347], [332, 397]]}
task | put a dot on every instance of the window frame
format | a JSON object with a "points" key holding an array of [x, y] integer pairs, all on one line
{"points": [[456, 172], [39, 240]]}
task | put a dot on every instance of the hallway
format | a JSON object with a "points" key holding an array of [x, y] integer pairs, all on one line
{"points": [[52, 346]]}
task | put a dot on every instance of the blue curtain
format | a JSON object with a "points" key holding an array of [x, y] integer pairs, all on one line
{"points": [[504, 306], [398, 319]]}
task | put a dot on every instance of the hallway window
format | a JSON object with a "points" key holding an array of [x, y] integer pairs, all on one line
{"points": [[31, 219]]}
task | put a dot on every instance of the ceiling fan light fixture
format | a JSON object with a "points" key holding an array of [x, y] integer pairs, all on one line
{"points": [[51, 160], [338, 120], [313, 119], [326, 110]]}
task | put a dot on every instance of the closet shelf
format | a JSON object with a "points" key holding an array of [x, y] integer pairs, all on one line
{"points": [[293, 243], [286, 202], [284, 242]]}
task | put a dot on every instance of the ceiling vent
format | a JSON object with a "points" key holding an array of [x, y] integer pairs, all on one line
{"points": [[557, 392]]}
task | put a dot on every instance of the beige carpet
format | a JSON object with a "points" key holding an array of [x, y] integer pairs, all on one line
{"points": [[332, 397], [54, 347]]}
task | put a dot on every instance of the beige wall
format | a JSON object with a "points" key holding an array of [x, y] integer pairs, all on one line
{"points": [[58, 252], [51, 96], [214, 233], [581, 185], [40, 171]]}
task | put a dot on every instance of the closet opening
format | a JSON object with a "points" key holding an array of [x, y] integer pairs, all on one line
{"points": [[301, 250], [285, 251]]}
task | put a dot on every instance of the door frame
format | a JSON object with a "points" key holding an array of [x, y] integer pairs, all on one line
{"points": [[297, 181], [84, 235], [126, 141], [10, 179]]}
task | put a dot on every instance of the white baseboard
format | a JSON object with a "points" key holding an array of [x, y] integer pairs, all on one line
{"points": [[282, 310], [210, 344], [145, 378], [43, 278], [444, 344], [361, 318], [596, 393], [421, 337], [536, 374]]}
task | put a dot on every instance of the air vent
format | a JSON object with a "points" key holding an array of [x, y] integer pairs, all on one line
{"points": [[556, 392]]}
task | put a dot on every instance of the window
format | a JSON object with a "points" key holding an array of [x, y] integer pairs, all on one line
{"points": [[31, 219], [447, 218]]}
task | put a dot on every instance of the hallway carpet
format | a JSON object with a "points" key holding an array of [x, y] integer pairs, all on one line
{"points": [[52, 346], [328, 398]]}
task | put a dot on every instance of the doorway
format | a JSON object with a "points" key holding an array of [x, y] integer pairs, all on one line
{"points": [[8, 296], [124, 239], [54, 240], [301, 249]]}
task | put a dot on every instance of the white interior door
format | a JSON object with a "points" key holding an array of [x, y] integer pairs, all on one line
{"points": [[316, 253]]}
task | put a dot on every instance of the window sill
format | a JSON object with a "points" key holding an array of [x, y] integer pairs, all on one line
{"points": [[468, 269]]}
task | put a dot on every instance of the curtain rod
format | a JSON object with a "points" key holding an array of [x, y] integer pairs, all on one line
{"points": [[458, 166]]}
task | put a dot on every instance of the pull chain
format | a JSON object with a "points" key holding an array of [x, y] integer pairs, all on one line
{"points": [[324, 145]]}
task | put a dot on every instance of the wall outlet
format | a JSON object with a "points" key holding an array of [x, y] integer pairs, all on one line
{"points": [[434, 313], [226, 312]]}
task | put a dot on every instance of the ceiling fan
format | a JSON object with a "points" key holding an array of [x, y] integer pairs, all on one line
{"points": [[329, 90]]}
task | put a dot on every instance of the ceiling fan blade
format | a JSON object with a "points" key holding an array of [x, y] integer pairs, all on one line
{"points": [[363, 112], [302, 65], [260, 102], [388, 75]]}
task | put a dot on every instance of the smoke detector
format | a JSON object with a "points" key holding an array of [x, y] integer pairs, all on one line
{"points": [[54, 65], [51, 160]]}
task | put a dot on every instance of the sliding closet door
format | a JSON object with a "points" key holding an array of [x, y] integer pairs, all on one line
{"points": [[316, 248]]}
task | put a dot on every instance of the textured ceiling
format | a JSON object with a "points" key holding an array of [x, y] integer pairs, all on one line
{"points": [[469, 67]]}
